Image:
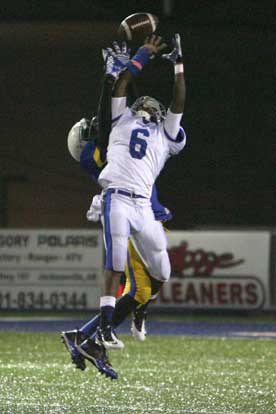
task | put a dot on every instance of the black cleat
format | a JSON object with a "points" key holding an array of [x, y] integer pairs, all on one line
{"points": [[138, 324], [71, 339], [96, 354], [107, 337]]}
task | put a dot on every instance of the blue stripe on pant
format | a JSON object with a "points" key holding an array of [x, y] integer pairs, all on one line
{"points": [[107, 231]]}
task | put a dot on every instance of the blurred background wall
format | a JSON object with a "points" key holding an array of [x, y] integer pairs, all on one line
{"points": [[50, 78]]}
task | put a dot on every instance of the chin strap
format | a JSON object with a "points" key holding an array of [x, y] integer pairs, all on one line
{"points": [[143, 114]]}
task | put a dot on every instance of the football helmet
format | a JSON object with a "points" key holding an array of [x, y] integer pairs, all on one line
{"points": [[82, 132], [149, 108]]}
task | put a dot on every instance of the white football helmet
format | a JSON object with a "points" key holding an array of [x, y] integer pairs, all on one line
{"points": [[82, 132], [149, 108]]}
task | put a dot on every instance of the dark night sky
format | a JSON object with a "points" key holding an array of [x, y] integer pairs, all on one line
{"points": [[51, 69]]}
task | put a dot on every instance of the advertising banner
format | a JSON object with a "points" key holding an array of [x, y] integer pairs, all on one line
{"points": [[62, 270], [218, 269], [50, 269]]}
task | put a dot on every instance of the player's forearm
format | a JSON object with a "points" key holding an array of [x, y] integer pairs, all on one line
{"points": [[104, 110], [134, 67], [179, 90], [132, 91], [122, 83]]}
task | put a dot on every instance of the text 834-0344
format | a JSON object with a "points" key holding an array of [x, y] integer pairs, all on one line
{"points": [[43, 300]]}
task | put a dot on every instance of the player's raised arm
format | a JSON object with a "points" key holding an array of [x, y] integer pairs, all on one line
{"points": [[179, 88], [104, 110], [113, 65], [115, 60], [151, 47], [173, 130]]}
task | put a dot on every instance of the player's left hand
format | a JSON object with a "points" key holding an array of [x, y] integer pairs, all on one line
{"points": [[116, 59], [175, 55]]}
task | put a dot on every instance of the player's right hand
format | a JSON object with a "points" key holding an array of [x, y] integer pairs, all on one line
{"points": [[116, 59], [154, 44], [95, 209]]}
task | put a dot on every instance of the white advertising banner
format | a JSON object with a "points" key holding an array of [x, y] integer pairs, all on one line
{"points": [[218, 269], [62, 269], [50, 269]]}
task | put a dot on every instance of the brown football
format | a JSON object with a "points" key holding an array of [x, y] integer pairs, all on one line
{"points": [[138, 26]]}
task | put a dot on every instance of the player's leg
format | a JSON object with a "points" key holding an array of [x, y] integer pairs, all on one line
{"points": [[116, 232], [138, 323], [124, 306], [136, 293], [81, 343], [140, 289], [139, 286], [151, 243], [139, 316]]}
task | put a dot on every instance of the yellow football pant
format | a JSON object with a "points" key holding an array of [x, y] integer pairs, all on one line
{"points": [[138, 283]]}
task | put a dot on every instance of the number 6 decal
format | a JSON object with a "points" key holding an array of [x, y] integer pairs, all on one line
{"points": [[137, 145]]}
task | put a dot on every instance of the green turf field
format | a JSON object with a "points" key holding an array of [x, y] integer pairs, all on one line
{"points": [[161, 375]]}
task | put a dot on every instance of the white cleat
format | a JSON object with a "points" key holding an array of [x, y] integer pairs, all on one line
{"points": [[107, 337], [138, 325]]}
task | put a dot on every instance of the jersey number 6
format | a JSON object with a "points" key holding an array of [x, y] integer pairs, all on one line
{"points": [[137, 145]]}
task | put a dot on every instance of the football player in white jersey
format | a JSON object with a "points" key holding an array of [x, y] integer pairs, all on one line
{"points": [[143, 137], [87, 143]]}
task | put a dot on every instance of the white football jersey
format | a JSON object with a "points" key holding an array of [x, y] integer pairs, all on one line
{"points": [[137, 152]]}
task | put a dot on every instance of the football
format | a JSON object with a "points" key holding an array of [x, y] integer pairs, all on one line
{"points": [[138, 26]]}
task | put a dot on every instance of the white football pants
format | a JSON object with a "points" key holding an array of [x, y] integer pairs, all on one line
{"points": [[124, 216]]}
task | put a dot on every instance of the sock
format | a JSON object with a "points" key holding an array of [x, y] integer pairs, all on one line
{"points": [[142, 308], [90, 327], [124, 306], [107, 305], [155, 286]]}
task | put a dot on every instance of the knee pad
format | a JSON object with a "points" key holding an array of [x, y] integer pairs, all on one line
{"points": [[160, 267]]}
